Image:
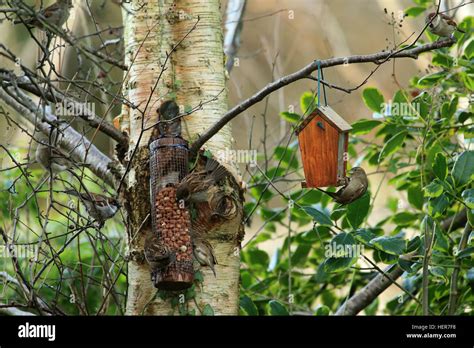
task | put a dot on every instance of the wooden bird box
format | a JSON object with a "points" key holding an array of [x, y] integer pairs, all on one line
{"points": [[323, 137]]}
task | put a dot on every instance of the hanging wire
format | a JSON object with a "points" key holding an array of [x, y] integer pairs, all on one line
{"points": [[321, 76]]}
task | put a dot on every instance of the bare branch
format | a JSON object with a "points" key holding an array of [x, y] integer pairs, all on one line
{"points": [[303, 73], [79, 148], [79, 109]]}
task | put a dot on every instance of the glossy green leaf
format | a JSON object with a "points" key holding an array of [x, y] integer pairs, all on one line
{"points": [[373, 99], [364, 126], [415, 197], [437, 206], [392, 145], [341, 253], [318, 216], [276, 308], [208, 310], [247, 305], [322, 310], [290, 117], [404, 218], [358, 210], [308, 102], [440, 166], [433, 189], [468, 197], [390, 245], [463, 169], [415, 11]]}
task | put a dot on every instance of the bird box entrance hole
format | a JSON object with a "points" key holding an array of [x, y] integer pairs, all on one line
{"points": [[323, 139], [171, 222]]}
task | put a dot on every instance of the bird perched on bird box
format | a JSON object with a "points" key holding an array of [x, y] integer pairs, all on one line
{"points": [[355, 187], [56, 15], [442, 25], [99, 207]]}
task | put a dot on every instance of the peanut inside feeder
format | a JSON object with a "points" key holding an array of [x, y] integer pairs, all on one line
{"points": [[170, 222]]}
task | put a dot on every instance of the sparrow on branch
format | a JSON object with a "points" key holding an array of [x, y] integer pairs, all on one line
{"points": [[355, 188], [99, 207], [55, 15], [442, 25]]}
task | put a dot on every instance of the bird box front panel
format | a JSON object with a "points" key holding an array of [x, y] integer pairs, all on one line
{"points": [[342, 155], [319, 145]]}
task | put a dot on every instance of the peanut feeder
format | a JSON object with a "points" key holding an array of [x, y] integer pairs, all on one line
{"points": [[171, 222]]}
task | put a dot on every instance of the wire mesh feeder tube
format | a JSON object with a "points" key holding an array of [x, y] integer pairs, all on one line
{"points": [[170, 222]]}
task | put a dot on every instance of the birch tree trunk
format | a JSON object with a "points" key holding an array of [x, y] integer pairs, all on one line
{"points": [[193, 74]]}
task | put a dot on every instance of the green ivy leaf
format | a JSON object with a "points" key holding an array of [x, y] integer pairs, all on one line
{"points": [[276, 308], [358, 210], [257, 257], [469, 50], [390, 245], [322, 310], [340, 246], [431, 79], [405, 265], [404, 218], [364, 236], [440, 166], [433, 189], [465, 253], [300, 255], [437, 206], [318, 216], [392, 145], [247, 305], [415, 11], [463, 169], [373, 99], [290, 117], [364, 126], [415, 197], [208, 310], [308, 102], [468, 196]]}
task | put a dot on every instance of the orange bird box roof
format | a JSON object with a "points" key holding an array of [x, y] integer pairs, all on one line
{"points": [[328, 114]]}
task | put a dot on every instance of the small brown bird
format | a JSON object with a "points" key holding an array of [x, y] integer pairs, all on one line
{"points": [[158, 255], [442, 25], [204, 253], [99, 207], [353, 190], [55, 15], [50, 157], [170, 124], [198, 186]]}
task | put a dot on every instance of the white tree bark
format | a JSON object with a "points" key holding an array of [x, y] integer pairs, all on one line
{"points": [[194, 74]]}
